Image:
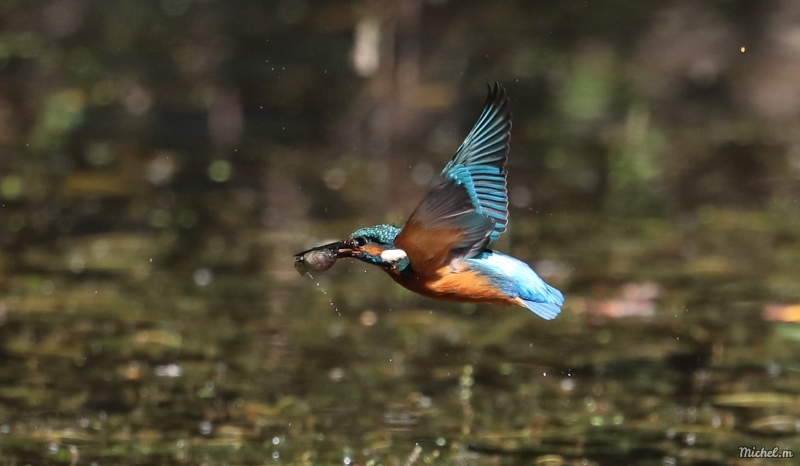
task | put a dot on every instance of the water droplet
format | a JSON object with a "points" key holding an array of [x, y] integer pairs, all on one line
{"points": [[319, 287]]}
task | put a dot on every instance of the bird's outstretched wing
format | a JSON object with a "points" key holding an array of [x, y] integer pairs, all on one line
{"points": [[467, 206], [479, 164]]}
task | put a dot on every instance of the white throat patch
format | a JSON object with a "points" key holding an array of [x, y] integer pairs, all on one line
{"points": [[393, 255]]}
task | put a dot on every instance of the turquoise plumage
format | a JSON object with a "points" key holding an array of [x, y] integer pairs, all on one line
{"points": [[479, 163], [442, 250]]}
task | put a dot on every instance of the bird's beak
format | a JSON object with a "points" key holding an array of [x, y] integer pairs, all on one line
{"points": [[339, 248], [321, 258]]}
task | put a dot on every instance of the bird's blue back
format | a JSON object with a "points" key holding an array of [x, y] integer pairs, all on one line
{"points": [[517, 280]]}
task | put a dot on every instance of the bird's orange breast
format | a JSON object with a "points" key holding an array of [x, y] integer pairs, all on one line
{"points": [[454, 285]]}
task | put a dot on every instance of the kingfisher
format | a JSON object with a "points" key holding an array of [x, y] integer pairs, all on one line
{"points": [[443, 251]]}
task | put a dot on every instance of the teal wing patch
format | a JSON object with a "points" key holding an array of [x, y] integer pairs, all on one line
{"points": [[444, 225], [479, 164]]}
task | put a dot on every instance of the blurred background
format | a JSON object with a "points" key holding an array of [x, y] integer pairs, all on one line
{"points": [[162, 160]]}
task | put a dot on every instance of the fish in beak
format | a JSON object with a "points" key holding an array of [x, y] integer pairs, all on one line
{"points": [[322, 258]]}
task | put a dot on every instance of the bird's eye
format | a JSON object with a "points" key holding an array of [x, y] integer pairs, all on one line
{"points": [[360, 241]]}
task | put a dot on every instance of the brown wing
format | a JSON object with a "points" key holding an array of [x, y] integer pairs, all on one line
{"points": [[444, 225], [467, 207]]}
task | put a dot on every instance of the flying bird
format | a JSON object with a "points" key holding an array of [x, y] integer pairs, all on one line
{"points": [[443, 249]]}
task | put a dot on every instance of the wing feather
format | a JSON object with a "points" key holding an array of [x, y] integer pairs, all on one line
{"points": [[467, 206], [479, 163], [444, 225]]}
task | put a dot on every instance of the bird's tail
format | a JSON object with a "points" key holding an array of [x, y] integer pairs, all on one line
{"points": [[546, 305], [547, 311]]}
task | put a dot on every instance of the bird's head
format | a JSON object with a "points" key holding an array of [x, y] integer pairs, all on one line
{"points": [[373, 245]]}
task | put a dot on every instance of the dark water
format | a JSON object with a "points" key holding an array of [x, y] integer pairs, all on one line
{"points": [[132, 361], [161, 162]]}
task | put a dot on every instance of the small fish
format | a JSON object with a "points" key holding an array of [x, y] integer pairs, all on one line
{"points": [[317, 259]]}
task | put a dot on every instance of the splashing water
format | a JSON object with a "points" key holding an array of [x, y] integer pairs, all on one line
{"points": [[325, 292]]}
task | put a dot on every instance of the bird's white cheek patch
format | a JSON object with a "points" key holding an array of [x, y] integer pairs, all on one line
{"points": [[393, 255]]}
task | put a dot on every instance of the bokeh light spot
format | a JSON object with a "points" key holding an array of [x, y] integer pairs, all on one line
{"points": [[366, 50], [368, 318], [203, 277], [161, 168], [11, 187], [220, 171], [422, 173], [335, 178], [138, 101], [520, 196], [336, 374]]}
